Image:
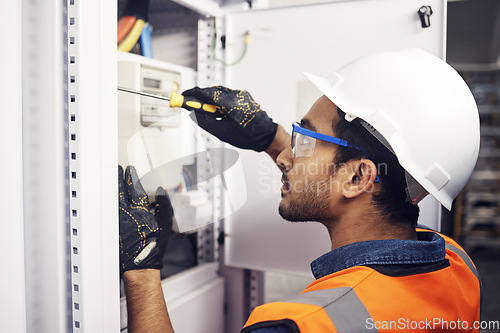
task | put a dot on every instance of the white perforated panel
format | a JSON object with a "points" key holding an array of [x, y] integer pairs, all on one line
{"points": [[92, 165]]}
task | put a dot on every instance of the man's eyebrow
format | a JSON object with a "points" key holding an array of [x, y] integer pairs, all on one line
{"points": [[306, 123]]}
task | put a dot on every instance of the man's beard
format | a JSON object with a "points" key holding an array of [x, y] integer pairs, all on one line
{"points": [[312, 204]]}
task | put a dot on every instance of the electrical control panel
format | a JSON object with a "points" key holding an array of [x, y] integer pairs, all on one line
{"points": [[160, 141], [158, 81], [153, 137]]}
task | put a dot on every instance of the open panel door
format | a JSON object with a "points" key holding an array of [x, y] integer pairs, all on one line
{"points": [[317, 39]]}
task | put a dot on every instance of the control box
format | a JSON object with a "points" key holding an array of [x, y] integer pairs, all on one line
{"points": [[153, 137], [156, 112], [160, 141]]}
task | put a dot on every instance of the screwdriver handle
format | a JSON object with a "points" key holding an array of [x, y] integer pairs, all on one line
{"points": [[192, 104]]}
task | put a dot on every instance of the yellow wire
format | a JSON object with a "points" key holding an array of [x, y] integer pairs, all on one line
{"points": [[133, 36]]}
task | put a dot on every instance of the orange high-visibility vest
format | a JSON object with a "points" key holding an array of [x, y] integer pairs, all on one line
{"points": [[438, 297]]}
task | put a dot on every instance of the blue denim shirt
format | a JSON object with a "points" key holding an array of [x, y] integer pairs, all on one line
{"points": [[429, 248]]}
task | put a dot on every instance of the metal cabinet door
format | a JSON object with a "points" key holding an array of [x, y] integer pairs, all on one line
{"points": [[283, 42]]}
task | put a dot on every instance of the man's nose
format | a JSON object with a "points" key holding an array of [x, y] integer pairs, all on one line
{"points": [[285, 159]]}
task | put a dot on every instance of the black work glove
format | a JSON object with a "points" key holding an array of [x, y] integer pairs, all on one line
{"points": [[244, 124], [143, 235]]}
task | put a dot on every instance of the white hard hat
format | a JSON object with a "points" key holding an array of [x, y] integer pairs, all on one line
{"points": [[421, 107]]}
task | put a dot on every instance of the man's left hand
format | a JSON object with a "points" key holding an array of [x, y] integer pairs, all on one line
{"points": [[143, 235]]}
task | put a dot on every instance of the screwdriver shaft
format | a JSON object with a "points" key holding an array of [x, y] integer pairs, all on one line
{"points": [[165, 98]]}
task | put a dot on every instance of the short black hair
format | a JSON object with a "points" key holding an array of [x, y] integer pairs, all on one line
{"points": [[391, 199]]}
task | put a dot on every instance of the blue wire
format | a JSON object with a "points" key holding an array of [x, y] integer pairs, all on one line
{"points": [[186, 181], [145, 40]]}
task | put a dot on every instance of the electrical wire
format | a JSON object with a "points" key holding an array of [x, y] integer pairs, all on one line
{"points": [[124, 25], [145, 41], [186, 180], [129, 42], [214, 40]]}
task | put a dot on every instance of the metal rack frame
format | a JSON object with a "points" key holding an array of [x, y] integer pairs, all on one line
{"points": [[92, 136], [63, 230], [480, 200]]}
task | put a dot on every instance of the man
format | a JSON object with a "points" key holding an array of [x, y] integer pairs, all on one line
{"points": [[389, 129]]}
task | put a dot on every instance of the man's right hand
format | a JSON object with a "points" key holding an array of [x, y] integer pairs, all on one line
{"points": [[244, 124]]}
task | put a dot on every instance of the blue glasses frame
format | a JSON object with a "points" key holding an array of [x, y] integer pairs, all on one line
{"points": [[323, 137]]}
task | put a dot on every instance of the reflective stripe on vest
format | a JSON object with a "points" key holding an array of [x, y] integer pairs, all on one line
{"points": [[344, 308], [469, 264], [465, 258]]}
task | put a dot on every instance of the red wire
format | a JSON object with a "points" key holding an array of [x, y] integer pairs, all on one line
{"points": [[124, 25]]}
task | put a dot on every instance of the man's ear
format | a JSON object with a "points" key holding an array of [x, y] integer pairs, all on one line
{"points": [[362, 175]]}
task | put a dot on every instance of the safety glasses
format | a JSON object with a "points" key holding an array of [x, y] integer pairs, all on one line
{"points": [[304, 142]]}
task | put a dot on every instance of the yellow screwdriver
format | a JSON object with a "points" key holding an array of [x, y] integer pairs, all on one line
{"points": [[176, 100]]}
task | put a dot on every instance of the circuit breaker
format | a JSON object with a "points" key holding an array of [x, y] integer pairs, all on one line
{"points": [[160, 141], [156, 139]]}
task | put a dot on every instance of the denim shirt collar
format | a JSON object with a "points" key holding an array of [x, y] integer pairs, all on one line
{"points": [[429, 248]]}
